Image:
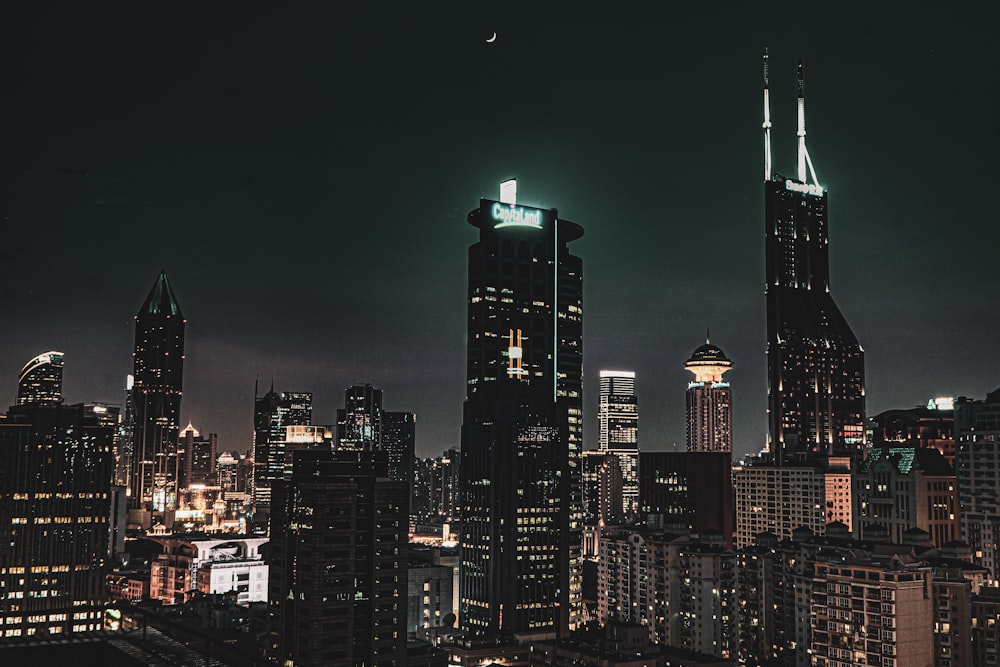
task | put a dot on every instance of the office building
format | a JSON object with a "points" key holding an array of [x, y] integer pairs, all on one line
{"points": [[198, 458], [977, 464], [158, 367], [709, 401], [55, 506], [398, 442], [816, 375], [338, 571], [359, 422], [522, 429], [899, 488], [273, 413], [40, 381], [429, 595], [618, 418]]}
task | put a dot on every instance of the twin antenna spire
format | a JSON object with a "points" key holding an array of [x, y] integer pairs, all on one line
{"points": [[804, 159]]}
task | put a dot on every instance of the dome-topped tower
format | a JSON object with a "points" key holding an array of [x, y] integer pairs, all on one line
{"points": [[709, 401]]}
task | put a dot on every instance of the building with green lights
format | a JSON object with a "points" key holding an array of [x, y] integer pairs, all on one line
{"points": [[520, 501]]}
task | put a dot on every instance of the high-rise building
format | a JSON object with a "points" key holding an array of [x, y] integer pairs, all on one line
{"points": [[40, 381], [977, 466], [398, 442], [55, 506], [125, 443], [709, 401], [816, 375], [337, 593], [809, 492], [198, 456], [522, 430], [273, 413], [158, 367], [359, 423], [930, 425], [618, 416]]}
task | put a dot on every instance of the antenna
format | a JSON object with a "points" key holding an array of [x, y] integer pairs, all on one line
{"points": [[804, 158], [767, 125]]}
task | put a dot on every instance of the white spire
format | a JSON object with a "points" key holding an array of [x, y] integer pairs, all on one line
{"points": [[804, 159], [767, 125]]}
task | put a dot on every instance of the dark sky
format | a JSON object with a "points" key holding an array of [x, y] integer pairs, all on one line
{"points": [[304, 179]]}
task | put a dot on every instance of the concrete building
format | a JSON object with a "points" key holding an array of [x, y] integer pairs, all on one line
{"points": [[898, 488], [779, 499], [977, 467], [210, 566]]}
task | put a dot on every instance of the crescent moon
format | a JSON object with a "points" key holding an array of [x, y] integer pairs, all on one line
{"points": [[492, 39]]}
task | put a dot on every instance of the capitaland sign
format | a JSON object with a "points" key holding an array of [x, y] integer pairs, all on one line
{"points": [[795, 186], [515, 216]]}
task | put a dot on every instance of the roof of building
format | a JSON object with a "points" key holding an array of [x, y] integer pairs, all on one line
{"points": [[161, 299], [926, 459]]}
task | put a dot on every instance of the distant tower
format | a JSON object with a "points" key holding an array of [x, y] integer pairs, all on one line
{"points": [[709, 401], [359, 424], [158, 366], [618, 416], [273, 413], [40, 380], [815, 366]]}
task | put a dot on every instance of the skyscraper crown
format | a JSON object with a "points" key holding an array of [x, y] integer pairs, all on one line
{"points": [[161, 299]]}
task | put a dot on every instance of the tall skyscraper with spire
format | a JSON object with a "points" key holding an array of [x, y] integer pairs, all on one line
{"points": [[816, 375], [521, 434], [709, 401], [158, 367], [618, 419]]}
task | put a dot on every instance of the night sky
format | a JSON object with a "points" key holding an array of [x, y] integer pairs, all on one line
{"points": [[304, 180]]}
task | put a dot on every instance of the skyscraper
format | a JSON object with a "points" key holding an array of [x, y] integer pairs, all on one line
{"points": [[273, 413], [618, 416], [521, 434], [359, 423], [158, 366], [977, 464], [709, 401], [40, 381], [399, 434], [816, 375]]}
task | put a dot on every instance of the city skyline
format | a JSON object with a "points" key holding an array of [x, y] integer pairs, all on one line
{"points": [[263, 208]]}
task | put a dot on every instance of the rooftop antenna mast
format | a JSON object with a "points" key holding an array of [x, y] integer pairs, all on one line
{"points": [[804, 158], [767, 125]]}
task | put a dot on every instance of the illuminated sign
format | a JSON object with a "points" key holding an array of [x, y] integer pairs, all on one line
{"points": [[804, 188], [515, 353], [515, 216]]}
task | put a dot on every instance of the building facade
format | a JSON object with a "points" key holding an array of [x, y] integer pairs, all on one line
{"points": [[816, 378], [690, 490], [338, 570], [899, 488], [977, 463], [359, 423], [522, 429], [55, 481], [618, 420], [158, 368]]}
